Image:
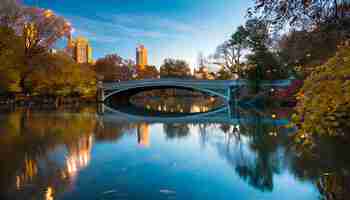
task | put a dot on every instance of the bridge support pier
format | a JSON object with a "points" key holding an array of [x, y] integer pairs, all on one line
{"points": [[100, 92], [231, 94]]}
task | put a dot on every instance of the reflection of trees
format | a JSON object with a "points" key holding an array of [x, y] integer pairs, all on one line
{"points": [[111, 131], [183, 102], [27, 154], [323, 161], [252, 149], [176, 130]]}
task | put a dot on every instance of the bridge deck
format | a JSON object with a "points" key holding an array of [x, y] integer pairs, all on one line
{"points": [[175, 82], [191, 82]]}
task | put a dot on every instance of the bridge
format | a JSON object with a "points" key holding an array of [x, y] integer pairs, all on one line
{"points": [[222, 88]]}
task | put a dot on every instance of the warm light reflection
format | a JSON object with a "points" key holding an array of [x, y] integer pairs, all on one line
{"points": [[143, 135], [78, 157], [49, 194], [29, 172], [199, 108], [185, 104]]}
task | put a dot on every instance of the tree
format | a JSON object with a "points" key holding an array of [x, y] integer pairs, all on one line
{"points": [[262, 61], [201, 60], [301, 13], [113, 67], [323, 108], [305, 49], [39, 29], [148, 72], [61, 76], [229, 54], [223, 74], [10, 12], [10, 57], [172, 68]]}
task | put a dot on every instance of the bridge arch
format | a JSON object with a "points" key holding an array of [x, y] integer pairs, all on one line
{"points": [[133, 90]]}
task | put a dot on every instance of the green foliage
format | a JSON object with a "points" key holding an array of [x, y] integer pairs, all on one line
{"points": [[230, 53], [173, 68], [25, 64], [255, 42], [223, 74], [263, 63], [303, 49], [324, 101], [10, 56], [61, 76]]}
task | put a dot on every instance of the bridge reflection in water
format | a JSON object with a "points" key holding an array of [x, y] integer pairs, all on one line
{"points": [[236, 117], [225, 114]]}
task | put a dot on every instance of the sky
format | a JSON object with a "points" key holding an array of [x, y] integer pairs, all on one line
{"points": [[168, 28]]}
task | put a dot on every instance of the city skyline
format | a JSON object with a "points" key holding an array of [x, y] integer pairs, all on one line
{"points": [[179, 29]]}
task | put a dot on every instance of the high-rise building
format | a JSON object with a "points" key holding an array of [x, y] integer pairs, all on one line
{"points": [[141, 57], [79, 49]]}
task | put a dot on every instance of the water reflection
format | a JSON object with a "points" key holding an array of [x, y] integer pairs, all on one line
{"points": [[176, 101], [80, 155], [143, 135], [167, 102], [30, 146]]}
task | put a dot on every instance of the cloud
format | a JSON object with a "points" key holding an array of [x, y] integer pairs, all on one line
{"points": [[112, 30], [155, 22], [115, 27]]}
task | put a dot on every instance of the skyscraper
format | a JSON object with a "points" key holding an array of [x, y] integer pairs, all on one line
{"points": [[141, 57], [79, 49]]}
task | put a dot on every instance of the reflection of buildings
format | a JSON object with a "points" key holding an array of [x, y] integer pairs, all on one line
{"points": [[78, 156], [30, 170], [143, 135], [79, 49], [141, 57], [47, 173]]}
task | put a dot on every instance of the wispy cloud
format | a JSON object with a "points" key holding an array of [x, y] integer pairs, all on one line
{"points": [[112, 31], [155, 22], [113, 28]]}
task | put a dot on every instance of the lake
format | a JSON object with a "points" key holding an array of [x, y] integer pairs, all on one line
{"points": [[80, 153]]}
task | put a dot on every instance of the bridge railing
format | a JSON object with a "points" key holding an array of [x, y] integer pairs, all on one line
{"points": [[194, 82], [217, 83]]}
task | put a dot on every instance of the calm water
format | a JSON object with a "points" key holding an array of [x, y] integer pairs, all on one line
{"points": [[76, 154]]}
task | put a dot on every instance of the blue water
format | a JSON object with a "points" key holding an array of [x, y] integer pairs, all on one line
{"points": [[76, 155]]}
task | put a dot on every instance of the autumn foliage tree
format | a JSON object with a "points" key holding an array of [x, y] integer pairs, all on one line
{"points": [[324, 100], [148, 72], [26, 35], [39, 30], [113, 67], [69, 77], [10, 57], [173, 68]]}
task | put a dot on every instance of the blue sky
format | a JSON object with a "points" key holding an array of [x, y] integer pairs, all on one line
{"points": [[168, 28]]}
